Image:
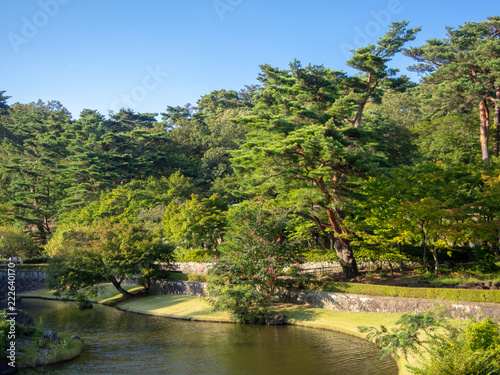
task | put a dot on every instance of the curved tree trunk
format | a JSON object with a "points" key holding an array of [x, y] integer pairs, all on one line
{"points": [[118, 287]]}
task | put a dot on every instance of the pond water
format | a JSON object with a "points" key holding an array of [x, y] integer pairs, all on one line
{"points": [[118, 342]]}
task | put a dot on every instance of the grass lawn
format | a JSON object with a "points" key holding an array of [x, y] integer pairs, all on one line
{"points": [[107, 294]]}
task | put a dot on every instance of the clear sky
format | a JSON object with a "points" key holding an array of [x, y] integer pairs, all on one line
{"points": [[148, 54]]}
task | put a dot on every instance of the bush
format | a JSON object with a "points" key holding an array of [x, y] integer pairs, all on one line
{"points": [[194, 255], [474, 350], [244, 302], [36, 260], [256, 252], [14, 242]]}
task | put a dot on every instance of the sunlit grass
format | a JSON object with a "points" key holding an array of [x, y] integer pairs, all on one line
{"points": [[175, 306], [107, 293]]}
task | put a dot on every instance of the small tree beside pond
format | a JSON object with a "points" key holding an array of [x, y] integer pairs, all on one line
{"points": [[256, 253], [83, 256]]}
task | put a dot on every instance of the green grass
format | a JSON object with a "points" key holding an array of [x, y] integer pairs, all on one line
{"points": [[175, 306], [108, 293], [33, 355]]}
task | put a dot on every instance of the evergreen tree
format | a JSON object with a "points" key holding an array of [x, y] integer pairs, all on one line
{"points": [[462, 71]]}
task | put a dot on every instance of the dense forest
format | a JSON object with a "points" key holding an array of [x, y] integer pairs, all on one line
{"points": [[365, 166]]}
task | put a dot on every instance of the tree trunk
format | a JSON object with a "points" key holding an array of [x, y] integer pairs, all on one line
{"points": [[346, 257], [118, 287], [401, 264], [484, 131], [496, 134], [390, 267], [436, 261]]}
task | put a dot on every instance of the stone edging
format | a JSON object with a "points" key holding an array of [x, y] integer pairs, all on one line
{"points": [[349, 302]]}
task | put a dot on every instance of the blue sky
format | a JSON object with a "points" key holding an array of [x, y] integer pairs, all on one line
{"points": [[146, 55]]}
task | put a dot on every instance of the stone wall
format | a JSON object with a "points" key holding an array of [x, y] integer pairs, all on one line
{"points": [[189, 288], [381, 304], [348, 302], [199, 268], [25, 281], [312, 267]]}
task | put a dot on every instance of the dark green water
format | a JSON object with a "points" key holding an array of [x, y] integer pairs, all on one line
{"points": [[117, 342]]}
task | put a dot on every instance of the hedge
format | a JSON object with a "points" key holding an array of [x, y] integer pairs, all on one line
{"points": [[448, 294]]}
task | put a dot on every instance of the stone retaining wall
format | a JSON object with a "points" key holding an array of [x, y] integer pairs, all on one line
{"points": [[201, 268], [382, 304], [188, 288], [25, 281], [348, 302]]}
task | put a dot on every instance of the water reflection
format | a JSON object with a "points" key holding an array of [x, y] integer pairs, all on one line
{"points": [[117, 342]]}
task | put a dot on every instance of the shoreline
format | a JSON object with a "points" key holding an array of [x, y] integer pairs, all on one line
{"points": [[196, 309]]}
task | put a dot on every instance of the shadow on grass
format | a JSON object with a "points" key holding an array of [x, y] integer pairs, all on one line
{"points": [[295, 312]]}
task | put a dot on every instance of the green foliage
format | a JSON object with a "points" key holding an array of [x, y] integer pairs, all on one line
{"points": [[244, 302], [14, 242], [430, 205], [143, 200], [414, 333], [257, 251], [4, 335], [194, 255], [463, 69], [474, 350], [451, 139], [320, 255], [195, 223], [84, 256]]}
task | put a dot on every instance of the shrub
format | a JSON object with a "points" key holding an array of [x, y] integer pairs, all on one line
{"points": [[244, 302], [256, 252], [36, 260], [473, 350], [14, 242], [194, 255]]}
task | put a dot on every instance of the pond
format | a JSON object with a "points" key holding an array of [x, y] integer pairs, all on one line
{"points": [[118, 342]]}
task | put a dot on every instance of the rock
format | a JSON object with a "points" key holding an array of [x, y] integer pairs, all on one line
{"points": [[22, 317], [493, 287], [75, 337], [373, 267], [496, 283], [470, 285], [275, 320], [49, 335]]}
